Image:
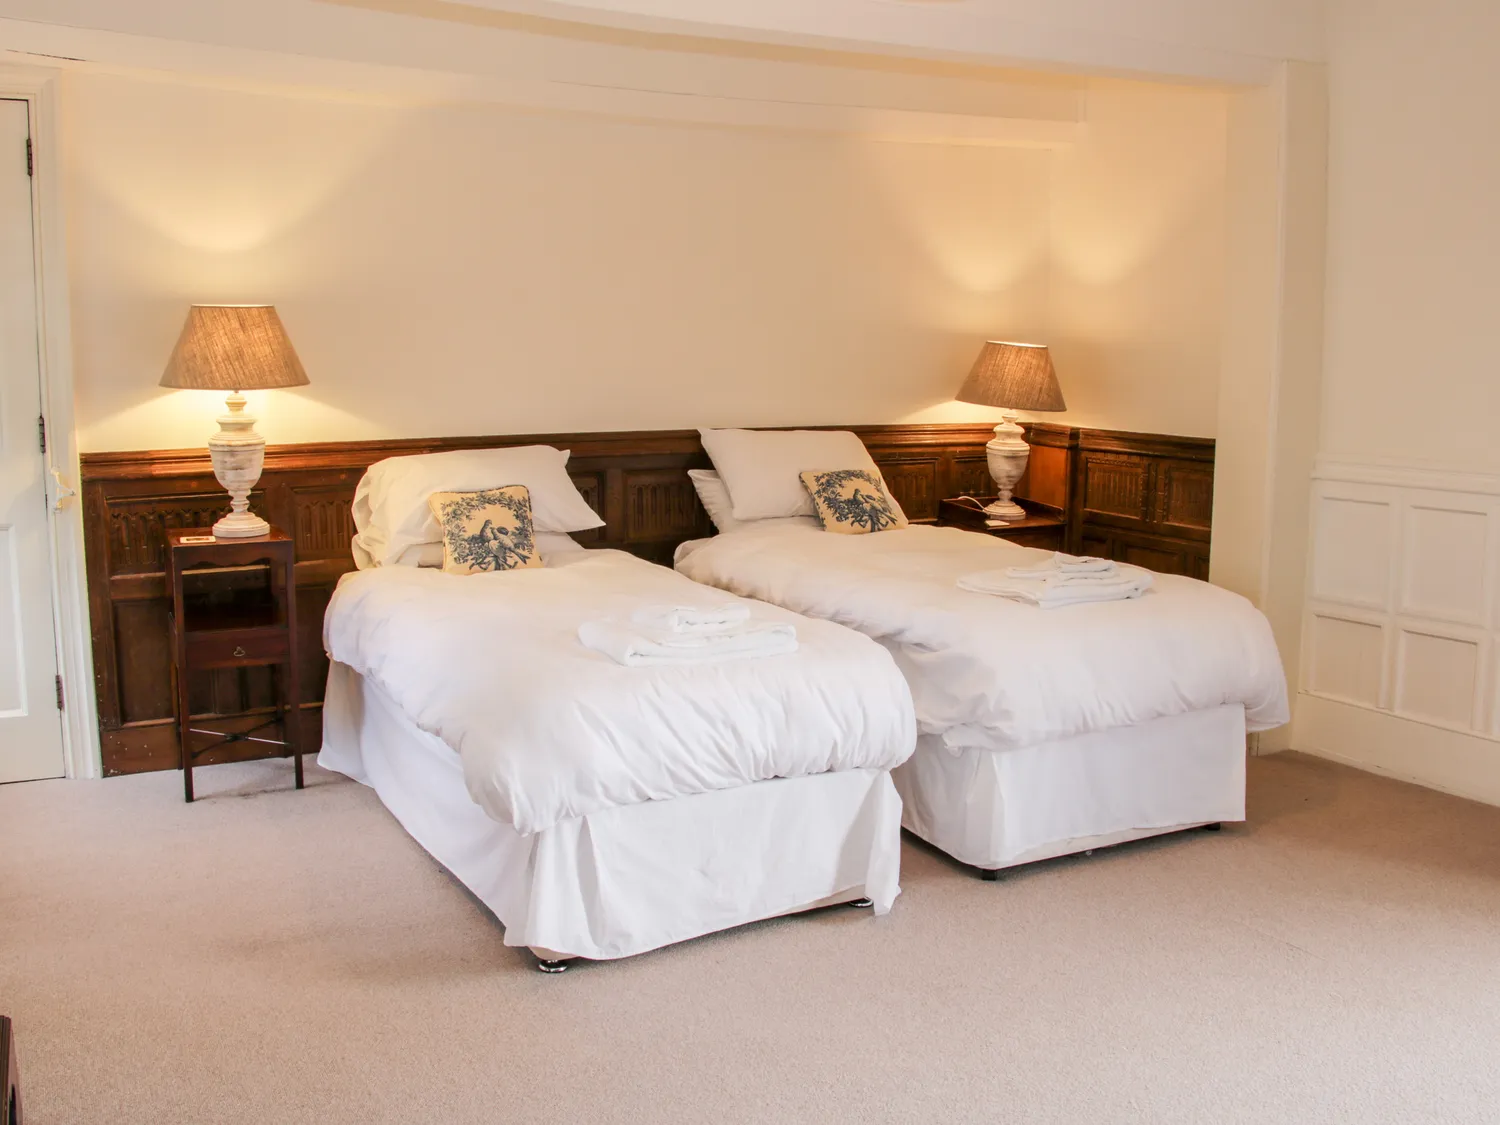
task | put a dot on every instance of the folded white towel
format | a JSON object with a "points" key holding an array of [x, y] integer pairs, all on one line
{"points": [[1052, 591], [636, 645], [693, 618], [1070, 567]]}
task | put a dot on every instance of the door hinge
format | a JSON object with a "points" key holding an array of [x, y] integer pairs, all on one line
{"points": [[30, 161], [41, 431], [59, 694]]}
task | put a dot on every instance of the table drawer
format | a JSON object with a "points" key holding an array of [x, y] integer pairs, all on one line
{"points": [[228, 648]]}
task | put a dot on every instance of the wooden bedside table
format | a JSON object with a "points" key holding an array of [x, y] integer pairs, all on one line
{"points": [[234, 605], [1043, 527]]}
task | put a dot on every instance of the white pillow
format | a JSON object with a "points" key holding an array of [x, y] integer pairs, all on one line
{"points": [[390, 504], [762, 469], [715, 499]]}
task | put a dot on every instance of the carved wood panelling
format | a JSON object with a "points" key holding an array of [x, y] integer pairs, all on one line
{"points": [[1145, 499], [144, 673], [1116, 486], [325, 522], [971, 477], [636, 481], [1184, 494], [914, 482], [137, 527], [661, 504]]}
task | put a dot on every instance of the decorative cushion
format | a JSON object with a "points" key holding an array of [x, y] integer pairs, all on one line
{"points": [[852, 501], [762, 468], [549, 545], [488, 530]]}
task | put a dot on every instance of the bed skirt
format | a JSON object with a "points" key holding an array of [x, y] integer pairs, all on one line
{"points": [[626, 880], [996, 809]]}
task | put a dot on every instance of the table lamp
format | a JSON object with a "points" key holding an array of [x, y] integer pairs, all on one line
{"points": [[235, 348], [1013, 377]]}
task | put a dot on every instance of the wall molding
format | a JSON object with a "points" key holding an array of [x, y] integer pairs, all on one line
{"points": [[1395, 473], [1400, 668], [839, 110], [1463, 764]]}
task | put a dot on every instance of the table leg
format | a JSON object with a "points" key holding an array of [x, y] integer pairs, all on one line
{"points": [[291, 716], [293, 668], [184, 734]]}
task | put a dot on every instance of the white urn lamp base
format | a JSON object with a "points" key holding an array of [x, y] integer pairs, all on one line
{"points": [[1007, 510], [238, 453], [241, 525], [1006, 454]]}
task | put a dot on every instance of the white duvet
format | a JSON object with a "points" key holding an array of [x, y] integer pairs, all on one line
{"points": [[548, 729], [990, 673]]}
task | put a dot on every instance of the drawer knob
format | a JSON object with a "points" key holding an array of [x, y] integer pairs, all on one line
{"points": [[238, 651]]}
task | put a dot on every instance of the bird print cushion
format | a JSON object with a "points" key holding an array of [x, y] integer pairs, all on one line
{"points": [[485, 531], [852, 501]]}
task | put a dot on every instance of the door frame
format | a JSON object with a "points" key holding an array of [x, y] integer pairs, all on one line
{"points": [[38, 87]]}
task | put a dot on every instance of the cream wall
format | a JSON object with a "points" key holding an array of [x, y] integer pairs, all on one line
{"points": [[1401, 634], [1136, 301], [480, 269], [1414, 236]]}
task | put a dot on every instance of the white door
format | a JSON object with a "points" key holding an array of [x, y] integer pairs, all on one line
{"points": [[30, 723]]}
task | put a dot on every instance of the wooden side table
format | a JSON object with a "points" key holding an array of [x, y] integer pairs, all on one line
{"points": [[1043, 527], [224, 616]]}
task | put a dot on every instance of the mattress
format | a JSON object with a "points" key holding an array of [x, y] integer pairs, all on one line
{"points": [[988, 673]]}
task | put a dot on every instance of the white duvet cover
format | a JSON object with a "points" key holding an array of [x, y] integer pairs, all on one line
{"points": [[995, 674], [548, 729]]}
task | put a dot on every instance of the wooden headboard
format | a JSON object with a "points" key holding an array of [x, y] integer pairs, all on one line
{"points": [[636, 481]]}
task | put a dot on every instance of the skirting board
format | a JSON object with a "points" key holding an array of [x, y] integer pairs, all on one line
{"points": [[1466, 765]]}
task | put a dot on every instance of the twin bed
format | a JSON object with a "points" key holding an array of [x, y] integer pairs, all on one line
{"points": [[602, 810]]}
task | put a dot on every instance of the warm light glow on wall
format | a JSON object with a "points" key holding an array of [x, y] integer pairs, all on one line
{"points": [[250, 181], [969, 209], [1154, 166], [165, 419]]}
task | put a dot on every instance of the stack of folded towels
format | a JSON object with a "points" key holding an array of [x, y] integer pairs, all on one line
{"points": [[685, 634], [1062, 580]]}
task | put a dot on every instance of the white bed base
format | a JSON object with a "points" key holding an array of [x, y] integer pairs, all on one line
{"points": [[631, 879], [996, 809]]}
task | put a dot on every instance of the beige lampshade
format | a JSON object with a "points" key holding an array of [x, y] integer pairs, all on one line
{"points": [[233, 348], [1015, 376]]}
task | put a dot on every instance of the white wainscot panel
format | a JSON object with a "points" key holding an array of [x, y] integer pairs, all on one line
{"points": [[1348, 658], [1436, 677], [1444, 562], [1352, 551]]}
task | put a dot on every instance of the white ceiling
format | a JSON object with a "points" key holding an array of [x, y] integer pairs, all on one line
{"points": [[1229, 40], [920, 71], [1237, 41]]}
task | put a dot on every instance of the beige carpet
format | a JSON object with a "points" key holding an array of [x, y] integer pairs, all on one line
{"points": [[266, 955]]}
